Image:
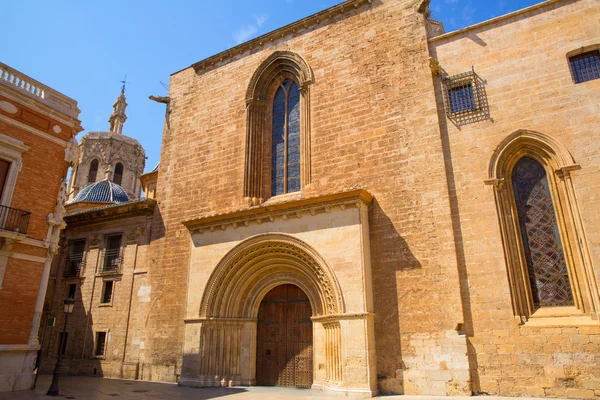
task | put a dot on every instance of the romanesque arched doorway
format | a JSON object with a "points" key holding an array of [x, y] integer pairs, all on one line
{"points": [[284, 338]]}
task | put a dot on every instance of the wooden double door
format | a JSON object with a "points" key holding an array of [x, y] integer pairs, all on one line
{"points": [[285, 339]]}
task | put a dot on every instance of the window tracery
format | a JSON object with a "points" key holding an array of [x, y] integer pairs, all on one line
{"points": [[285, 140], [546, 265]]}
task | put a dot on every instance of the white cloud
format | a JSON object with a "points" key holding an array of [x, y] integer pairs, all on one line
{"points": [[260, 19], [467, 12], [245, 32]]}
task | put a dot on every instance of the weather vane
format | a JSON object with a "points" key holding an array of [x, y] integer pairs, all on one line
{"points": [[124, 81]]}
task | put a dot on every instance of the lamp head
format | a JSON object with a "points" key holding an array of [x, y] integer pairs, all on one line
{"points": [[69, 304]]}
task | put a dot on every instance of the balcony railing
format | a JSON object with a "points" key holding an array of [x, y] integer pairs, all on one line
{"points": [[29, 86], [14, 220], [111, 261]]}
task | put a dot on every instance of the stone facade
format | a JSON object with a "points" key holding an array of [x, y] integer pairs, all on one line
{"points": [[404, 236], [37, 144], [532, 98], [122, 315]]}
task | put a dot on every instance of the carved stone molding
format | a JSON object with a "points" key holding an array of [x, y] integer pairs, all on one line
{"points": [[325, 319], [134, 234], [95, 240], [238, 283], [295, 208]]}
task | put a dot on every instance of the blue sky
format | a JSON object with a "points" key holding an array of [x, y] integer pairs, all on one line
{"points": [[85, 48]]}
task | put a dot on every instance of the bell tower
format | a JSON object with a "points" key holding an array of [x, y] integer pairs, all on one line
{"points": [[122, 156]]}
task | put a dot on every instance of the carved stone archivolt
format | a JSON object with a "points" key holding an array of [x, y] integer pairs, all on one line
{"points": [[260, 263]]}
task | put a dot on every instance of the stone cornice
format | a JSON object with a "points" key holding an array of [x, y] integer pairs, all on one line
{"points": [[41, 94], [294, 27], [342, 317], [268, 212], [108, 213], [545, 4]]}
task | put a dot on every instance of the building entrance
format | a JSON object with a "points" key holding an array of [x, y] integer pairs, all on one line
{"points": [[285, 339]]}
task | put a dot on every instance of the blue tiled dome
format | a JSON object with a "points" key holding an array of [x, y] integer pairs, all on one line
{"points": [[102, 192]]}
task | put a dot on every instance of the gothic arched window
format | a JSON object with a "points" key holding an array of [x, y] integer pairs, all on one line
{"points": [[546, 266], [285, 144], [550, 272], [93, 171], [118, 177], [278, 128]]}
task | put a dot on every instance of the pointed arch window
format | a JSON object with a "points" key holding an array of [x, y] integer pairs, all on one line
{"points": [[285, 143], [548, 261], [118, 177], [278, 122], [93, 172]]}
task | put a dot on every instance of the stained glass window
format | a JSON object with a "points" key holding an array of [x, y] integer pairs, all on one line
{"points": [[546, 264], [285, 140]]}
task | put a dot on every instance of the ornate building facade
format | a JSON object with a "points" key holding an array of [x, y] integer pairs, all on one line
{"points": [[38, 126], [359, 202]]}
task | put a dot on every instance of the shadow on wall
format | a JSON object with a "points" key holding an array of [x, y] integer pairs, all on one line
{"points": [[80, 346], [393, 255], [457, 231]]}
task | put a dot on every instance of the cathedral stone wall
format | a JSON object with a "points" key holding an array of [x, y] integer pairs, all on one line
{"points": [[374, 124], [523, 62]]}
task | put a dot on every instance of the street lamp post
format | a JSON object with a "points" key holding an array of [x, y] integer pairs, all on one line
{"points": [[53, 391]]}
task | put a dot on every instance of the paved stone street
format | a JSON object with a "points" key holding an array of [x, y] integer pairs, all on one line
{"points": [[98, 388]]}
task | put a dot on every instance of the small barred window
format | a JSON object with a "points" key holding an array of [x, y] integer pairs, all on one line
{"points": [[461, 94], [585, 67], [462, 98]]}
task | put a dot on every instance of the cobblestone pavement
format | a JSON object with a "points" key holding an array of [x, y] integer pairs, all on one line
{"points": [[84, 388]]}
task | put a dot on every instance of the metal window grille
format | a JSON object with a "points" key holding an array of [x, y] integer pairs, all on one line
{"points": [[461, 94], [75, 259], [585, 67], [100, 344], [14, 220]]}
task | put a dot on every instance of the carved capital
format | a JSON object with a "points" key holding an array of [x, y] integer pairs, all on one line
{"points": [[565, 172], [95, 240], [134, 234], [498, 184]]}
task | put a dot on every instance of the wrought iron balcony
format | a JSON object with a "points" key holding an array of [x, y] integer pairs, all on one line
{"points": [[111, 261], [14, 220]]}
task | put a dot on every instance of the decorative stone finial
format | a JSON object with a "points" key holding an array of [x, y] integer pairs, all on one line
{"points": [[117, 118], [108, 173]]}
